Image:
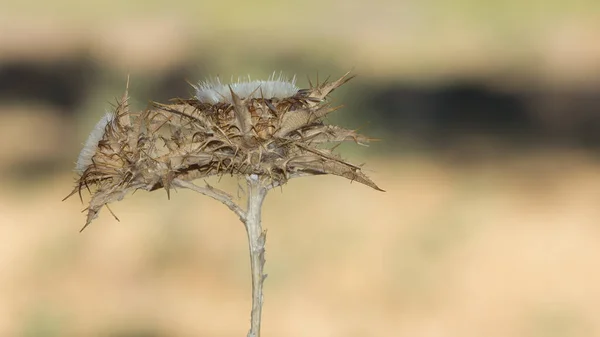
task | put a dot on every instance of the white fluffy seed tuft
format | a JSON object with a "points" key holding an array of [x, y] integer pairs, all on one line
{"points": [[91, 144], [213, 91]]}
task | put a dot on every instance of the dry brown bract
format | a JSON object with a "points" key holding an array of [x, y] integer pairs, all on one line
{"points": [[273, 138]]}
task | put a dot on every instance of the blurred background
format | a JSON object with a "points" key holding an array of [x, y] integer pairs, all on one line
{"points": [[489, 118]]}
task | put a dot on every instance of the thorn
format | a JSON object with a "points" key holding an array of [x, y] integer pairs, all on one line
{"points": [[309, 82], [113, 214], [70, 194], [84, 226], [234, 97]]}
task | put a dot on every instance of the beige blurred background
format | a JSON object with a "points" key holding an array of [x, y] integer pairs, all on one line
{"points": [[489, 119]]}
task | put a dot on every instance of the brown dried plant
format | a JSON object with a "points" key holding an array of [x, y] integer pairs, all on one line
{"points": [[254, 132]]}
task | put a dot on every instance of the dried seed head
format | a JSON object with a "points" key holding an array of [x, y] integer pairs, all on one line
{"points": [[265, 128]]}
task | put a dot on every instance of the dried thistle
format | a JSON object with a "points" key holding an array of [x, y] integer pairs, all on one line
{"points": [[266, 131]]}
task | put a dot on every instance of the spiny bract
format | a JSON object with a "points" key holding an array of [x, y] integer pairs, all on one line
{"points": [[244, 133]]}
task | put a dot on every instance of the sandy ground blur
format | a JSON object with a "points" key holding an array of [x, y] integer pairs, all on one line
{"points": [[501, 249]]}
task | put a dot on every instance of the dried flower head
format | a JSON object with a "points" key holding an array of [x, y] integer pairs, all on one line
{"points": [[270, 129]]}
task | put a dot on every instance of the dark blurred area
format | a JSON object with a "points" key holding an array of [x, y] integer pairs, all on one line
{"points": [[438, 114], [488, 121], [464, 115], [64, 84], [448, 115]]}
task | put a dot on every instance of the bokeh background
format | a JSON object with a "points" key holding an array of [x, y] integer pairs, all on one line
{"points": [[489, 118]]}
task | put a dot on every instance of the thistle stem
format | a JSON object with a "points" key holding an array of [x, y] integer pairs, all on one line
{"points": [[256, 243]]}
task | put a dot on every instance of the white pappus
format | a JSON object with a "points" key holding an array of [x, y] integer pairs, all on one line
{"points": [[91, 144], [214, 91]]}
